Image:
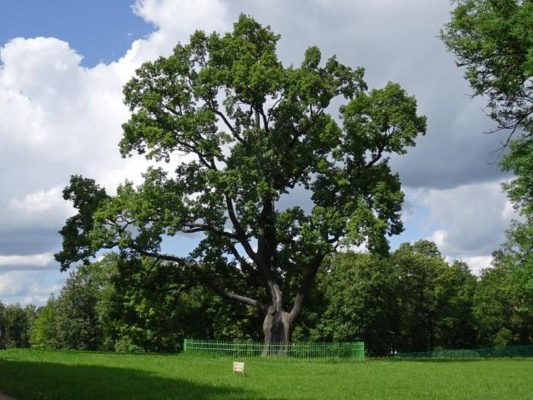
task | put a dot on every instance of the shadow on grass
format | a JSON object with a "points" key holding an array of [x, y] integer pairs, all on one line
{"points": [[26, 380]]}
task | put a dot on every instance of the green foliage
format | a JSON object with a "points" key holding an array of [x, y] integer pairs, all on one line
{"points": [[519, 160], [455, 288], [158, 304], [253, 130], [504, 303], [410, 301], [86, 197], [78, 321], [434, 299], [361, 305], [416, 268], [136, 306], [15, 322], [493, 39], [44, 333]]}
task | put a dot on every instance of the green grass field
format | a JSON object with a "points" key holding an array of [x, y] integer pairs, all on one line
{"points": [[36, 375]]}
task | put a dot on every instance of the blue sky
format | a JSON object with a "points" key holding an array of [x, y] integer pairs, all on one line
{"points": [[100, 30], [63, 64]]}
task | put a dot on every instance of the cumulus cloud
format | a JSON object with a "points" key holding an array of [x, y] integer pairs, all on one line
{"points": [[42, 208], [478, 263], [26, 287], [34, 261], [60, 118], [473, 218], [468, 222]]}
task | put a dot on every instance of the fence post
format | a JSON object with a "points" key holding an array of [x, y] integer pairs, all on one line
{"points": [[184, 345]]}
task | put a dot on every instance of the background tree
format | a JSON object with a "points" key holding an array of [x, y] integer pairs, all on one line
{"points": [[416, 268], [253, 131], [16, 321], [79, 324], [2, 327], [504, 302], [412, 300], [361, 305], [455, 326], [434, 299], [156, 305], [493, 40], [44, 333]]}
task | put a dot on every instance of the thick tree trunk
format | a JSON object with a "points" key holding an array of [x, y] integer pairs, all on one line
{"points": [[277, 328]]}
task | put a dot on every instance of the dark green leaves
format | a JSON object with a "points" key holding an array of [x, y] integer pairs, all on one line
{"points": [[87, 197], [381, 121], [493, 39]]}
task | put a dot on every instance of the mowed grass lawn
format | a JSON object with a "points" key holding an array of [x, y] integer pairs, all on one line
{"points": [[54, 375]]}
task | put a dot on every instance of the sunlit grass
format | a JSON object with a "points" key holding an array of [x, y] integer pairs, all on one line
{"points": [[35, 375]]}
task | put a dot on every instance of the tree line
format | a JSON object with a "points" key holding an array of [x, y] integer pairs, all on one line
{"points": [[412, 300]]}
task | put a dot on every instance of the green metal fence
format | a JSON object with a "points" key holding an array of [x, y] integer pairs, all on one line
{"points": [[493, 352], [355, 350]]}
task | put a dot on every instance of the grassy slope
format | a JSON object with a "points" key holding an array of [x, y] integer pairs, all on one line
{"points": [[35, 375]]}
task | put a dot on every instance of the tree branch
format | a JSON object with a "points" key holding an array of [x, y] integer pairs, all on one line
{"points": [[305, 286], [264, 117], [240, 233], [208, 281], [243, 299]]}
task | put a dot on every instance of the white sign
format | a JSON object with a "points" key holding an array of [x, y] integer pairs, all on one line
{"points": [[238, 366]]}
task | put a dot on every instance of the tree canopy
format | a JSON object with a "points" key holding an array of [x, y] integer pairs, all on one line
{"points": [[412, 300], [493, 39], [237, 133]]}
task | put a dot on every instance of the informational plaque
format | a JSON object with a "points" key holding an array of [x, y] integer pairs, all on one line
{"points": [[238, 366]]}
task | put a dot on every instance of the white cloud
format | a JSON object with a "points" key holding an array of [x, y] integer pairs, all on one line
{"points": [[41, 208], [34, 261], [191, 14], [26, 287], [440, 238], [468, 221], [478, 263], [60, 118]]}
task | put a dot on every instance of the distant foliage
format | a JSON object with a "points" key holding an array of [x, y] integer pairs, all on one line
{"points": [[44, 330], [15, 324], [504, 302], [412, 300], [135, 306]]}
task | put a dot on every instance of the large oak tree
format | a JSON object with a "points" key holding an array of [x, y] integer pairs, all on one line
{"points": [[243, 131]]}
